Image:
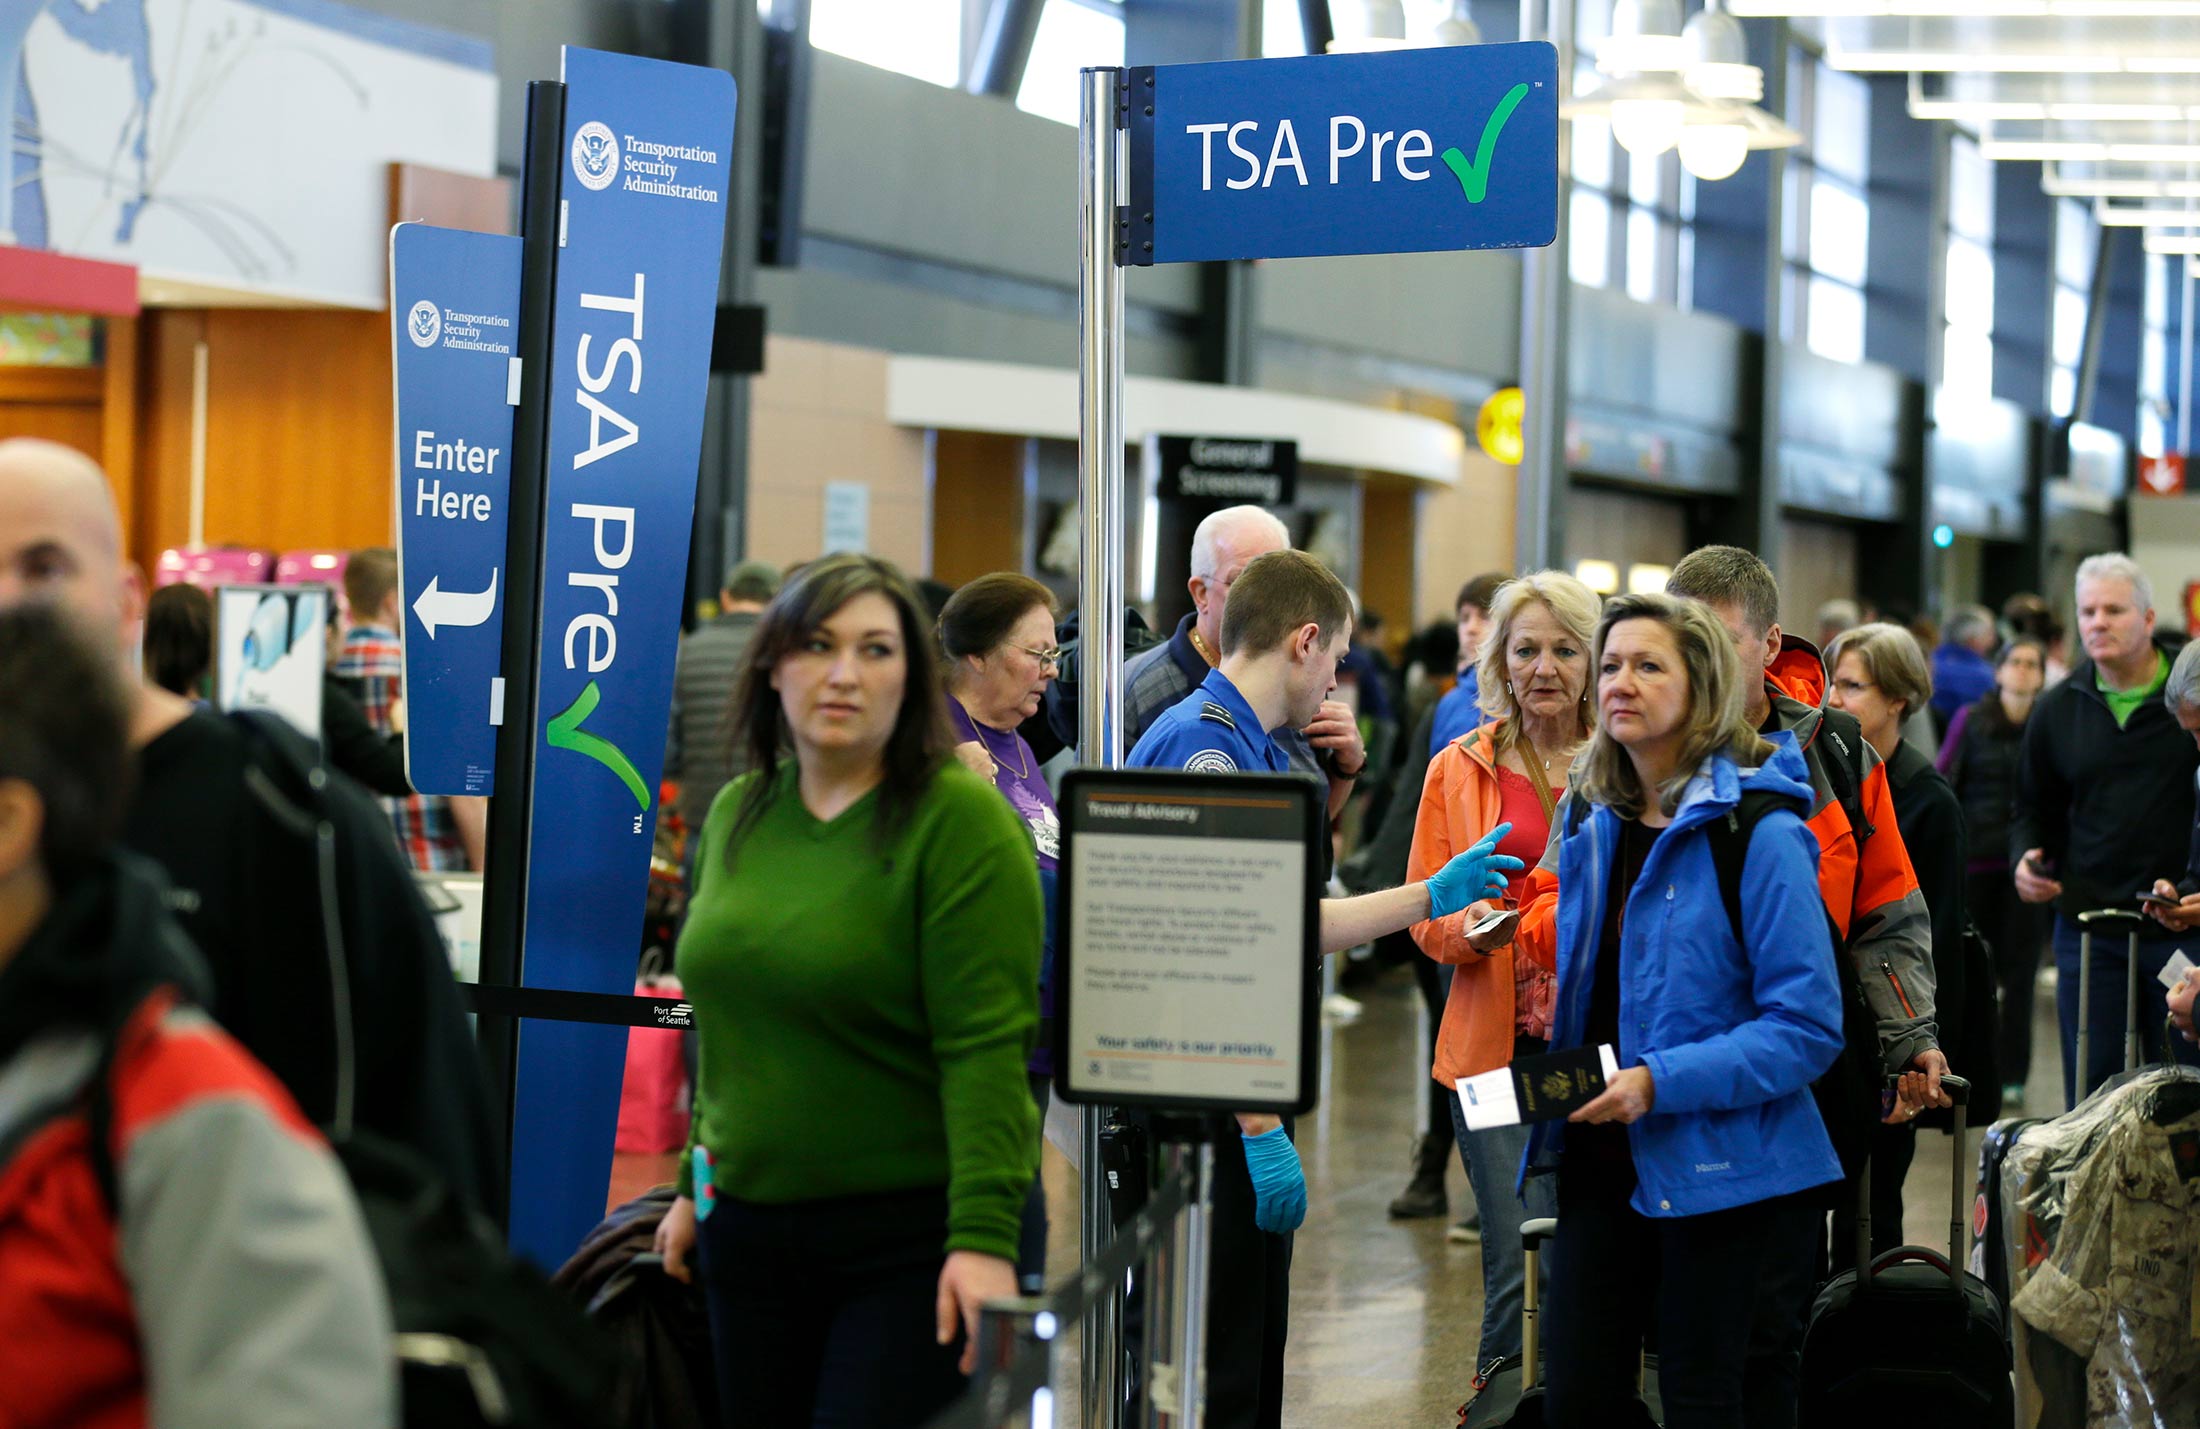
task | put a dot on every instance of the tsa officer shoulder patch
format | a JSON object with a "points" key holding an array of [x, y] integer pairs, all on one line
{"points": [[1210, 761], [1217, 714]]}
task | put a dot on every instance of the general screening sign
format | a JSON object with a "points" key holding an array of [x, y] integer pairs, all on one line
{"points": [[1400, 151]]}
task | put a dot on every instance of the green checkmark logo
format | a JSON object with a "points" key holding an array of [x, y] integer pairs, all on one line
{"points": [[1474, 178], [565, 732]]}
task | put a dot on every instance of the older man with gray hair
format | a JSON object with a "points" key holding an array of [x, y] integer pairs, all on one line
{"points": [[2105, 808], [1223, 545], [1963, 665]]}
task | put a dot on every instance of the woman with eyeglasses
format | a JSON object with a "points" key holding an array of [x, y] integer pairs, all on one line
{"points": [[1879, 674], [997, 637]]}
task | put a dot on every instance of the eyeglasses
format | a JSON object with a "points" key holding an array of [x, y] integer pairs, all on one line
{"points": [[1052, 655], [1850, 689]]}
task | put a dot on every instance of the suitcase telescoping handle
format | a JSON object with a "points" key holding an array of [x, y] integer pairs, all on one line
{"points": [[1532, 1235], [2107, 918], [1959, 1221]]}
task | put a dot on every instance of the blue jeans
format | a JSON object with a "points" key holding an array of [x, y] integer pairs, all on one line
{"points": [[1492, 1159], [2107, 1013]]}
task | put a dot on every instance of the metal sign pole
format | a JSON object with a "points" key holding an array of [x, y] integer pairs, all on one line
{"points": [[1101, 114]]}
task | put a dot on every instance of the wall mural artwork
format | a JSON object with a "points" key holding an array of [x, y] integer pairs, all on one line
{"points": [[235, 142]]}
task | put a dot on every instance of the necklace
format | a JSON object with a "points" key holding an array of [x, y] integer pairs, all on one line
{"points": [[985, 738], [1201, 646]]}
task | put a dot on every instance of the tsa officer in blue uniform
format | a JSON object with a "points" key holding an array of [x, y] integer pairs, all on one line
{"points": [[1287, 624]]}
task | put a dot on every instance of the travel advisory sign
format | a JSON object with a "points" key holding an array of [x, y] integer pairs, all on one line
{"points": [[1400, 151], [454, 314], [644, 189]]}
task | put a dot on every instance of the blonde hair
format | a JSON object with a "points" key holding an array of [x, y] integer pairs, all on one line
{"points": [[1892, 660], [1716, 721], [1570, 602]]}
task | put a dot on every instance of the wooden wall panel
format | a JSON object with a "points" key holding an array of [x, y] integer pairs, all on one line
{"points": [[977, 505], [1387, 541], [297, 429], [61, 404]]}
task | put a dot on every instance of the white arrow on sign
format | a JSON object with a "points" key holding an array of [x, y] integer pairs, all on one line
{"points": [[455, 607]]}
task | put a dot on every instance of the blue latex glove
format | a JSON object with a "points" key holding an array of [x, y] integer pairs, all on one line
{"points": [[1477, 873], [1279, 1182]]}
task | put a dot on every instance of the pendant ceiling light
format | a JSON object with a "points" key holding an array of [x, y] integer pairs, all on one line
{"points": [[1667, 85]]}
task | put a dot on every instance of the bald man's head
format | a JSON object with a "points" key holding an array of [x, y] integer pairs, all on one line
{"points": [[60, 538]]}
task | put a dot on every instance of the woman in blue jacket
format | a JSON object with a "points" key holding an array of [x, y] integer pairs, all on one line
{"points": [[1679, 1187]]}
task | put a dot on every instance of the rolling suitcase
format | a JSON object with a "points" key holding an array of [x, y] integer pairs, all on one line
{"points": [[2131, 923], [1991, 1229], [1909, 1334], [1509, 1396]]}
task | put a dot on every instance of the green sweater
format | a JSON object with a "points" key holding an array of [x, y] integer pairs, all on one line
{"points": [[865, 1014]]}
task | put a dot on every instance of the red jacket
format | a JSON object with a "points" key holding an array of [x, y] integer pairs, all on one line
{"points": [[225, 1278]]}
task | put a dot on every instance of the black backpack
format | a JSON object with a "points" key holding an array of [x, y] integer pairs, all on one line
{"points": [[480, 1338]]}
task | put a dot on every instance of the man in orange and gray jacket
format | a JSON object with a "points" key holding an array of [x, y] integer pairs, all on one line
{"points": [[1864, 878]]}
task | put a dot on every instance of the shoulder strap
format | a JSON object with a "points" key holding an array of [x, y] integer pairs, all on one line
{"points": [[1729, 835], [1844, 763]]}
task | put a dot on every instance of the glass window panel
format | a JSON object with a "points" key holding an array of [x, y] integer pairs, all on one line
{"points": [[1684, 263], [1836, 320], [1970, 190], [2153, 431], [1592, 154], [2062, 391], [1840, 140], [1794, 301], [1645, 175], [1970, 286], [1281, 34], [1589, 239], [1967, 366], [1592, 22], [921, 38], [1071, 36], [2157, 300], [1839, 227], [1798, 92], [2154, 364], [1642, 255], [1795, 214], [2074, 230], [2069, 335]]}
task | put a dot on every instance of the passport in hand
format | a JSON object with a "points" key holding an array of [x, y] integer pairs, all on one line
{"points": [[1539, 1088]]}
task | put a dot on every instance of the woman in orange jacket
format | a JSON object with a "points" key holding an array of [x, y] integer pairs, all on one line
{"points": [[1534, 675]]}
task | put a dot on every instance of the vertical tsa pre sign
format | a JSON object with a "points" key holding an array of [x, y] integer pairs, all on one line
{"points": [[454, 308], [644, 188]]}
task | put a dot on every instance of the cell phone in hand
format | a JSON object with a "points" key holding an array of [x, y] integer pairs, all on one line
{"points": [[2151, 899], [1504, 920]]}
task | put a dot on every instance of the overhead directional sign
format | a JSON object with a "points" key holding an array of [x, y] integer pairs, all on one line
{"points": [[1400, 151], [644, 188], [454, 315]]}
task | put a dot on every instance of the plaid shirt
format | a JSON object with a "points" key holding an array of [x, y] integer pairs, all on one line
{"points": [[374, 661]]}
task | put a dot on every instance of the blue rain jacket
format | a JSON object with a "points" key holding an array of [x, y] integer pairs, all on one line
{"points": [[1733, 1037]]}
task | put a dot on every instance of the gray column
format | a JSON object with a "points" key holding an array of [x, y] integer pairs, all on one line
{"points": [[1546, 299]]}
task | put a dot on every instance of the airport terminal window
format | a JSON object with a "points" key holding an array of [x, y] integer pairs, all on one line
{"points": [[2155, 411], [1967, 357], [2075, 236], [920, 38], [1827, 224], [1072, 34], [1629, 221]]}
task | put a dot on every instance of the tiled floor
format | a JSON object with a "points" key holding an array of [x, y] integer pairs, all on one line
{"points": [[1385, 1314]]}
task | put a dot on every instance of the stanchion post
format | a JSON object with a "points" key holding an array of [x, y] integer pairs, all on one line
{"points": [[1102, 114], [504, 883], [1193, 1249]]}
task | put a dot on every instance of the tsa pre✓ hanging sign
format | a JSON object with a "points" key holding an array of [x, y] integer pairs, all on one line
{"points": [[1401, 151]]}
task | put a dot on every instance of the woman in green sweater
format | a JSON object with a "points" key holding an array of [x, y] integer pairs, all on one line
{"points": [[862, 952]]}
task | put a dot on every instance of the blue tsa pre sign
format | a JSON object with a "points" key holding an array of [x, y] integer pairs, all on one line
{"points": [[1402, 151], [454, 313], [644, 189]]}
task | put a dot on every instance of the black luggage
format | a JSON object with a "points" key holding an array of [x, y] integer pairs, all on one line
{"points": [[1990, 1226], [1508, 1394], [1910, 1334]]}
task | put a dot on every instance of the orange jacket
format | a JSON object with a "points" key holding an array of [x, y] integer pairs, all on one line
{"points": [[1460, 803], [1870, 891]]}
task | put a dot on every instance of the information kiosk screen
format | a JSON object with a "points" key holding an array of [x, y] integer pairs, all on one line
{"points": [[1188, 964]]}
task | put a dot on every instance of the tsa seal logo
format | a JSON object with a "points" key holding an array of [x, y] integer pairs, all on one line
{"points": [[425, 324], [595, 156]]}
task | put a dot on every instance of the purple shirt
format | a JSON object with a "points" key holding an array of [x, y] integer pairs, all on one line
{"points": [[1016, 774]]}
